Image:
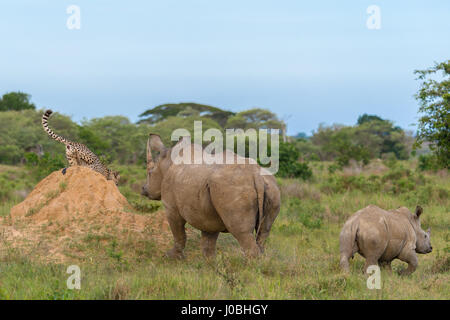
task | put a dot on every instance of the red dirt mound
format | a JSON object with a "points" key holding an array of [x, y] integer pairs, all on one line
{"points": [[64, 213]]}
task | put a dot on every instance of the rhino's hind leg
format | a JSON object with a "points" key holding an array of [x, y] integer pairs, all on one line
{"points": [[248, 244], [241, 226], [347, 252], [208, 243], [176, 223]]}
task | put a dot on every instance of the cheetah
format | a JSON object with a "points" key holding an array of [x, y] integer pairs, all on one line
{"points": [[78, 154]]}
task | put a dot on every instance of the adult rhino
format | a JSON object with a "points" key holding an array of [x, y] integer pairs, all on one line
{"points": [[381, 236], [213, 198]]}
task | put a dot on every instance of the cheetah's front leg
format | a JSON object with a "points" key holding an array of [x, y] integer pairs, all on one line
{"points": [[72, 158]]}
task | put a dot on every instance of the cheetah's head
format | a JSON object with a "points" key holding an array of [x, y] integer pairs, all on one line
{"points": [[114, 176]]}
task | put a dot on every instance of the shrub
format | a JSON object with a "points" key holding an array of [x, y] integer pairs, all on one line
{"points": [[10, 154], [290, 229], [390, 160], [428, 162], [290, 167], [333, 168], [427, 194], [145, 205], [309, 213], [339, 183], [43, 166], [396, 181], [15, 184], [299, 190]]}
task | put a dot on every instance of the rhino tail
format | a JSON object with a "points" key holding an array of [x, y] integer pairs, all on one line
{"points": [[260, 190], [347, 242]]}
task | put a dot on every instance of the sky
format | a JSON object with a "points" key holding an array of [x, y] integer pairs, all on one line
{"points": [[310, 62]]}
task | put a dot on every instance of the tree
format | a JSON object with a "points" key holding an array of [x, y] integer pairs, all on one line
{"points": [[381, 137], [434, 123], [307, 150], [116, 138], [165, 111], [16, 101], [301, 135], [166, 127], [21, 132], [372, 137], [255, 118], [368, 118]]}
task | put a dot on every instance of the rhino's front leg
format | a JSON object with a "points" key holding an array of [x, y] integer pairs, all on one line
{"points": [[176, 223], [409, 257], [386, 265], [208, 243], [370, 261]]}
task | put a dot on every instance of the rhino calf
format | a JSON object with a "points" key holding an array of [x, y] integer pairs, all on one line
{"points": [[381, 236]]}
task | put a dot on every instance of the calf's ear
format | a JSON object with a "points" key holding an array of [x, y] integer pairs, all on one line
{"points": [[429, 231], [419, 211]]}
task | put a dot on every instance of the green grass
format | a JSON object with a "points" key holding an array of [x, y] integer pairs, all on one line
{"points": [[301, 259]]}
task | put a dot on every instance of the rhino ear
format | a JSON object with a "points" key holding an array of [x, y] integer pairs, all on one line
{"points": [[156, 143], [429, 231], [419, 211]]}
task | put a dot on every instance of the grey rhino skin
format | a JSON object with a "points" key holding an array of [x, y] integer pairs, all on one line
{"points": [[213, 198], [381, 236]]}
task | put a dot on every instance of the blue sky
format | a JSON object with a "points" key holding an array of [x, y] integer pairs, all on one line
{"points": [[310, 62]]}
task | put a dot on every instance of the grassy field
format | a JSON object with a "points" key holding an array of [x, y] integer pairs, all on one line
{"points": [[302, 253]]}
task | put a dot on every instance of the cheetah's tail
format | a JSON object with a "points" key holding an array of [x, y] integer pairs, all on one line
{"points": [[49, 131]]}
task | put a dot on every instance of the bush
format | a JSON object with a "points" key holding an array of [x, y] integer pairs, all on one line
{"points": [[42, 166], [15, 185], [295, 170], [333, 168], [290, 167], [401, 180], [290, 229], [390, 160], [145, 205], [309, 213], [428, 162], [10, 154], [339, 183], [395, 181], [294, 188], [427, 194], [349, 152]]}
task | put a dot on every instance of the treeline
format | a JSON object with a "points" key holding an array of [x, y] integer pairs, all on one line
{"points": [[370, 138], [118, 140], [114, 138]]}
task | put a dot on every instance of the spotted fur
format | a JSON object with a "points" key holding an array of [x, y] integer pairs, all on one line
{"points": [[78, 154]]}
